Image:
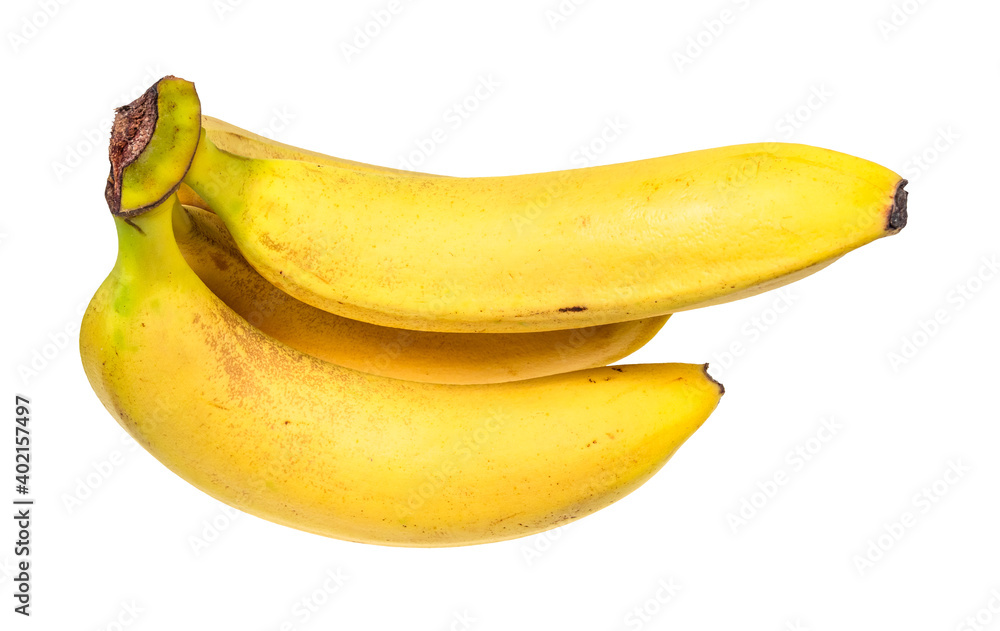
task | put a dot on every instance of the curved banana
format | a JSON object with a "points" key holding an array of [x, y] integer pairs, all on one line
{"points": [[329, 450], [460, 358], [550, 250], [400, 353]]}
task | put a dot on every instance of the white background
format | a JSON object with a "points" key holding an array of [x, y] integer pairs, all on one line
{"points": [[910, 85]]}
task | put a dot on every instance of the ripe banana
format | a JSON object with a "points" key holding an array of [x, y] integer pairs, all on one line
{"points": [[551, 250], [414, 355], [329, 450], [460, 358]]}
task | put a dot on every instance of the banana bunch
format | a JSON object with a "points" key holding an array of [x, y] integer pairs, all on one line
{"points": [[409, 359]]}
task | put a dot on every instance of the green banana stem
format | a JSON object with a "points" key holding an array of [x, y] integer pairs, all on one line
{"points": [[214, 170], [148, 239], [147, 254]]}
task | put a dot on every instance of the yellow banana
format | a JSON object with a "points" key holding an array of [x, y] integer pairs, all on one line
{"points": [[551, 250], [460, 358], [329, 450], [419, 356]]}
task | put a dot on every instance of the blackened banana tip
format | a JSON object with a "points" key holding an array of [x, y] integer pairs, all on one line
{"points": [[897, 216]]}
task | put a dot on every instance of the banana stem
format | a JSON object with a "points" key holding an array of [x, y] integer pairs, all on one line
{"points": [[213, 172], [146, 242]]}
